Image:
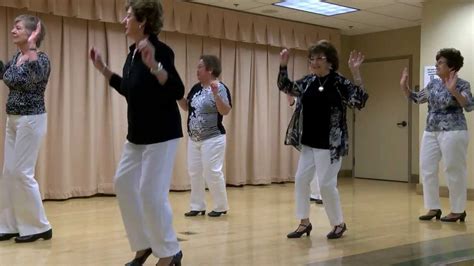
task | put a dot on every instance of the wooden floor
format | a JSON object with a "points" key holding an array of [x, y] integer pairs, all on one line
{"points": [[379, 215]]}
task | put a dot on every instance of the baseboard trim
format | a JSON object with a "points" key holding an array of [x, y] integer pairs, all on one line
{"points": [[444, 192], [345, 173]]}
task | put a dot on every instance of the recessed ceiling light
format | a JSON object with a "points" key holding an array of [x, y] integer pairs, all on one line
{"points": [[319, 7]]}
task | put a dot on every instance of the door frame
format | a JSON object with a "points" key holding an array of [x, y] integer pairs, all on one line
{"points": [[411, 178]]}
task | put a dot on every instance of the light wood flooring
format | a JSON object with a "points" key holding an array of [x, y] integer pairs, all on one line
{"points": [[379, 215]]}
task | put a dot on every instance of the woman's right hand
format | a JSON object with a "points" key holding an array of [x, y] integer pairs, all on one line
{"points": [[284, 57], [404, 80], [97, 60]]}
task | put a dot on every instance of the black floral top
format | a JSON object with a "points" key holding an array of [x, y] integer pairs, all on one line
{"points": [[350, 95], [27, 84], [444, 111]]}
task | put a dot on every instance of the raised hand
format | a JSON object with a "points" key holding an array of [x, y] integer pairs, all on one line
{"points": [[34, 36], [215, 87], [284, 57], [404, 79], [451, 81], [355, 59], [97, 59], [147, 51]]}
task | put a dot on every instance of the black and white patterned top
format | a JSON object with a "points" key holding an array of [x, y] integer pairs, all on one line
{"points": [[350, 95], [204, 121], [27, 84], [444, 111]]}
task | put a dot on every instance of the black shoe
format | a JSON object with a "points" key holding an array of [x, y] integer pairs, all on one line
{"points": [[318, 201], [297, 234], [430, 215], [8, 236], [460, 216], [216, 214], [337, 231], [139, 261], [312, 199], [194, 213], [177, 259], [31, 238]]}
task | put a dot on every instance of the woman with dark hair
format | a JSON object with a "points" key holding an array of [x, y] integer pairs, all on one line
{"points": [[207, 102], [22, 213], [445, 136], [151, 86], [319, 130]]}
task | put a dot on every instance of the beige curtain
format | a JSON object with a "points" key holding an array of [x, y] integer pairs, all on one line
{"points": [[87, 119]]}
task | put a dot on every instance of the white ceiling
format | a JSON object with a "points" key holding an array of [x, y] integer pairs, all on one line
{"points": [[373, 16]]}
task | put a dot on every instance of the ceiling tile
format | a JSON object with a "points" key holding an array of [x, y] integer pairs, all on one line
{"points": [[362, 4], [398, 11], [373, 19]]}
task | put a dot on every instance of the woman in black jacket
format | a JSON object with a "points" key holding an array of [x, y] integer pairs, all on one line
{"points": [[151, 86]]}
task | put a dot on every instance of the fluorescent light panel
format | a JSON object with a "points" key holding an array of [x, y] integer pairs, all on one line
{"points": [[317, 7]]}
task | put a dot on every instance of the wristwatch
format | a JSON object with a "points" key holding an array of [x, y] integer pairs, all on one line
{"points": [[156, 70]]}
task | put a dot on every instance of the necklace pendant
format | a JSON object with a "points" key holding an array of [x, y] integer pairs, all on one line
{"points": [[321, 88]]}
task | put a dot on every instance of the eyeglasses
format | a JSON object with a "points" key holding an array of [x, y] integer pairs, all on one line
{"points": [[319, 58], [440, 62]]}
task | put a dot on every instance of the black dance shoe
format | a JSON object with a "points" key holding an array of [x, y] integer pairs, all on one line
{"points": [[297, 234], [8, 236], [177, 259], [337, 231], [31, 238], [461, 217], [216, 214], [430, 215], [139, 261], [194, 213]]}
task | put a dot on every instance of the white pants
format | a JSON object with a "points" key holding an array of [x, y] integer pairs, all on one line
{"points": [[451, 146], [205, 160], [318, 162], [142, 184], [315, 192], [21, 208]]}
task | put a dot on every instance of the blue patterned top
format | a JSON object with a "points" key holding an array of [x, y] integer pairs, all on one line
{"points": [[444, 111], [27, 83]]}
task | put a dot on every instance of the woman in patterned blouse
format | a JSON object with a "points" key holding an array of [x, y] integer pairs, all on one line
{"points": [[319, 130], [22, 213], [207, 102], [445, 135]]}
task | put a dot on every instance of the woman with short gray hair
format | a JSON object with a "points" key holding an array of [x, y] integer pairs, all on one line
{"points": [[22, 213]]}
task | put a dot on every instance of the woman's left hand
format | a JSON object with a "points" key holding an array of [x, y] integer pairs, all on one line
{"points": [[355, 59], [451, 81], [34, 36], [147, 51], [215, 87]]}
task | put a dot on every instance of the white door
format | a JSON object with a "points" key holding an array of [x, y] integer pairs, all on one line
{"points": [[381, 130]]}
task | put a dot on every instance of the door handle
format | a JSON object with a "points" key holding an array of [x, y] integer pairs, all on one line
{"points": [[402, 124]]}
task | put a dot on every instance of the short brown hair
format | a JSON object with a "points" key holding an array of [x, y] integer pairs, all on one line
{"points": [[211, 62], [150, 11], [454, 59], [31, 22], [326, 48]]}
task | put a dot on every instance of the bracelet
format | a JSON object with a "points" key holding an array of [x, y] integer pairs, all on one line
{"points": [[156, 70]]}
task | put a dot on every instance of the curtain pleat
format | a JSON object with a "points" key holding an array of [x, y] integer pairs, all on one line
{"points": [[87, 120], [191, 18]]}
